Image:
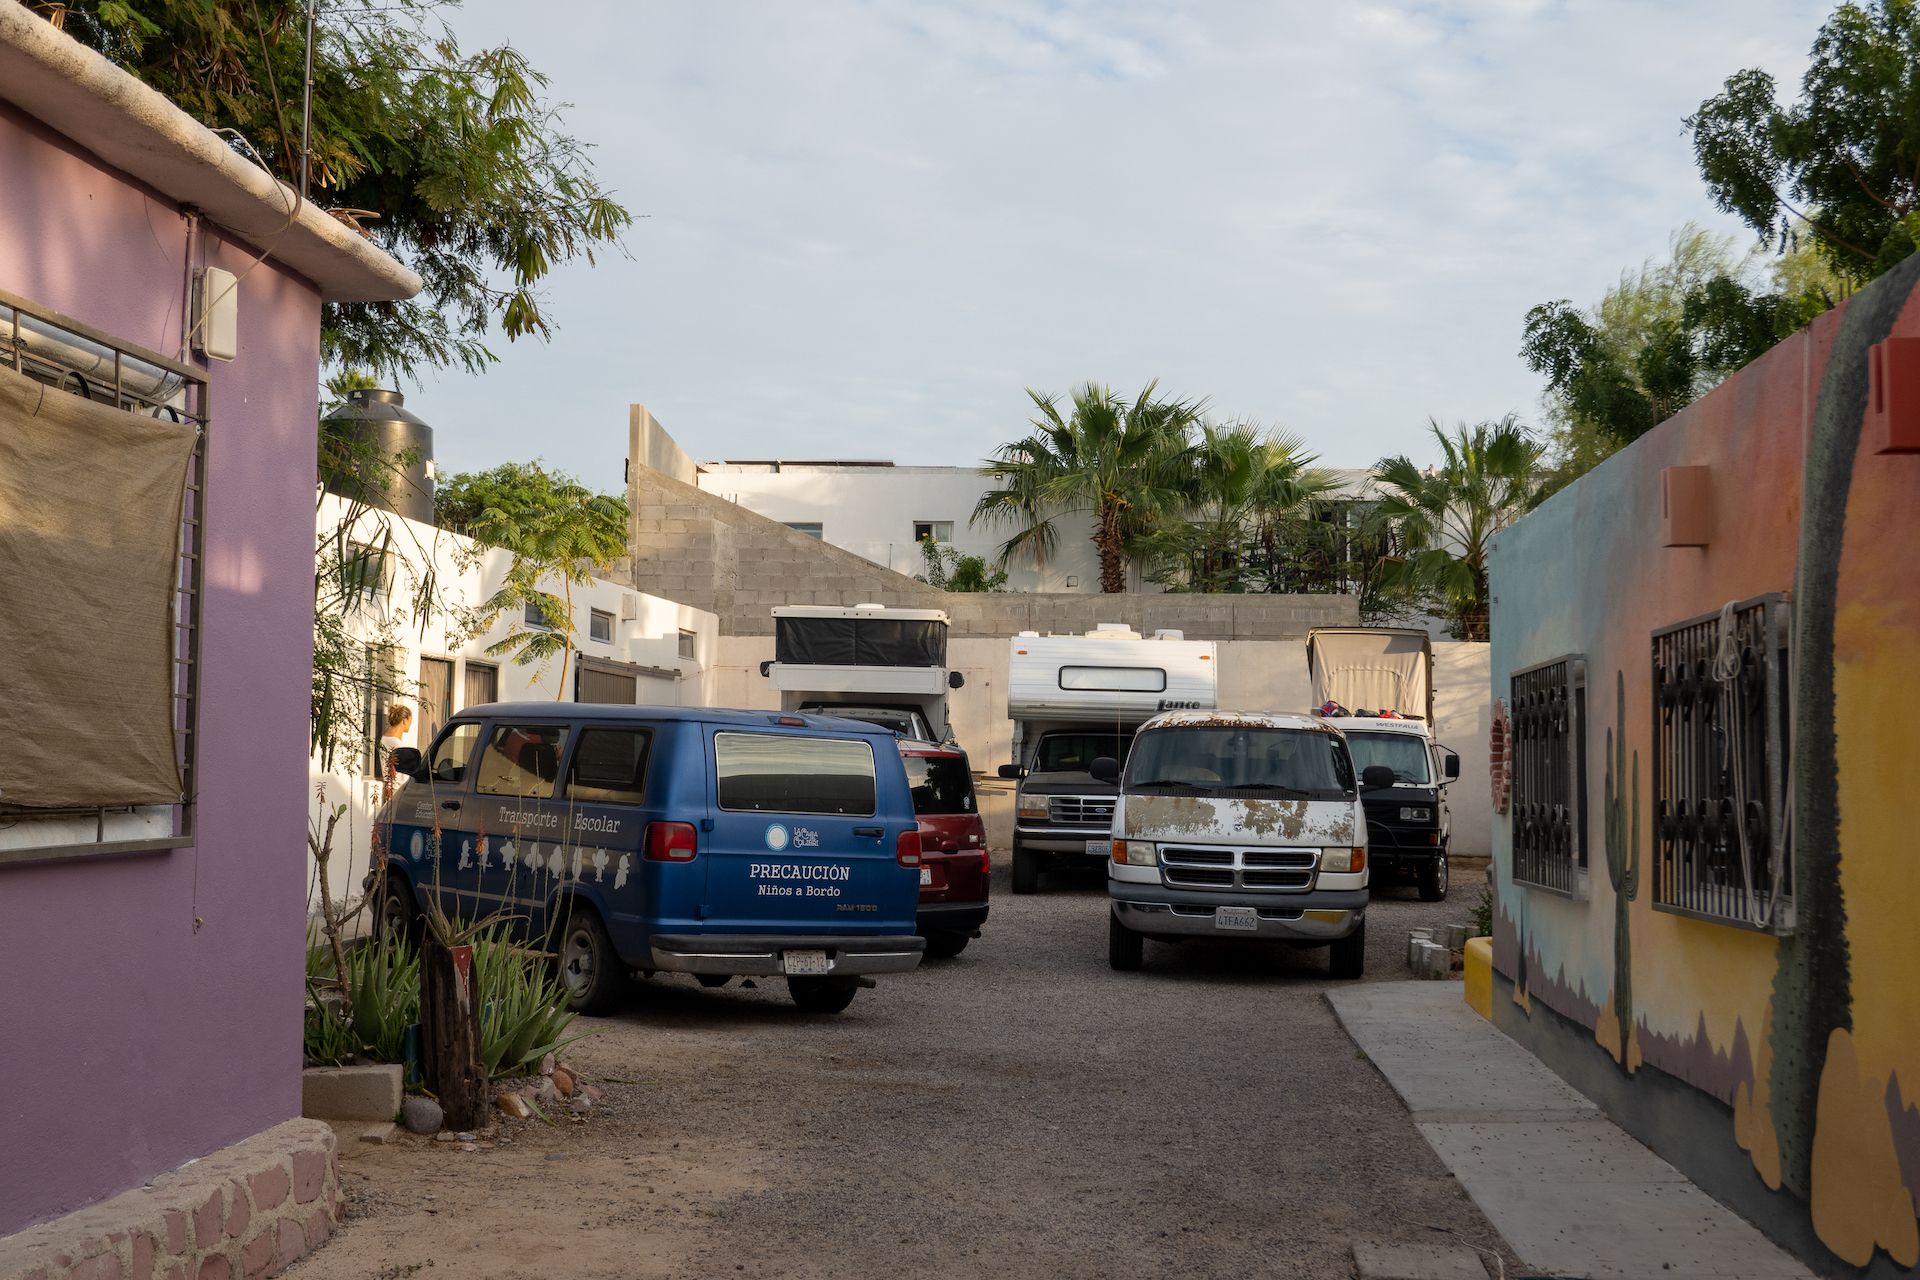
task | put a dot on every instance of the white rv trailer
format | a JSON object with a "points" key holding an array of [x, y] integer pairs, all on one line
{"points": [[887, 666], [1073, 699]]}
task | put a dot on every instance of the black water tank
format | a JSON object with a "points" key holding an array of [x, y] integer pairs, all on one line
{"points": [[380, 419]]}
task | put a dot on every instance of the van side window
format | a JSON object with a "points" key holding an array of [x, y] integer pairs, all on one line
{"points": [[777, 773], [609, 766], [450, 758], [522, 761]]}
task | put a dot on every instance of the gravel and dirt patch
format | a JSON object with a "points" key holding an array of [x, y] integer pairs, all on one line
{"points": [[1018, 1111]]}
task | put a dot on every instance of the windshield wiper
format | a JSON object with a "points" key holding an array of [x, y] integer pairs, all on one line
{"points": [[1173, 782]]}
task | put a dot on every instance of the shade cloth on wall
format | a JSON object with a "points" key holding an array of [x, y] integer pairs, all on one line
{"points": [[90, 509]]}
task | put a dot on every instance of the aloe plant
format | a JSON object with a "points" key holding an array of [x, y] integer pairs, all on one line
{"points": [[384, 982], [523, 1013]]}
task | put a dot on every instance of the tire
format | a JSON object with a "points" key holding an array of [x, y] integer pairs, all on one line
{"points": [[1347, 958], [945, 944], [1433, 880], [1125, 948], [400, 911], [591, 971], [822, 995], [1026, 871]]}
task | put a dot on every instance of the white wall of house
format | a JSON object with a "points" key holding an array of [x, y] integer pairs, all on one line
{"points": [[646, 631]]}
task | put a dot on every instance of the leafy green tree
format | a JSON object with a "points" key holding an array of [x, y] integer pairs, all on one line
{"points": [[558, 530], [950, 570], [1126, 464], [1840, 161], [1445, 517], [1339, 547], [467, 170], [1244, 485]]}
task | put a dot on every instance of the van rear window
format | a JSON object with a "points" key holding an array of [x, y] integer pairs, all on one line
{"points": [[609, 766], [783, 773], [940, 784]]}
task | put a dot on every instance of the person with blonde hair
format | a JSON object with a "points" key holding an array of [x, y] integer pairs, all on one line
{"points": [[399, 729]]}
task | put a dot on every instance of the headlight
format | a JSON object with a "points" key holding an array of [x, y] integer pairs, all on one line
{"points": [[1416, 815], [1343, 861], [1035, 809], [1136, 853]]}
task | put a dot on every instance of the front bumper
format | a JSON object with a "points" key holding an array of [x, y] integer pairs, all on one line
{"points": [[756, 955], [1318, 915], [953, 917], [1056, 840]]}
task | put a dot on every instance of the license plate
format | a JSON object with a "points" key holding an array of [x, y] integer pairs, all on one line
{"points": [[805, 962], [1245, 919], [1099, 848], [926, 875]]}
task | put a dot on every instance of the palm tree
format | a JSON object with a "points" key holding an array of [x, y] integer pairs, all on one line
{"points": [[1244, 486], [1444, 517], [1124, 464]]}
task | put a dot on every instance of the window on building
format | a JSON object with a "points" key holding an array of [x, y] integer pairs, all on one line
{"points": [[690, 646], [933, 531], [381, 686], [1549, 708], [534, 618], [480, 684], [600, 626], [366, 574], [1721, 739], [812, 528]]}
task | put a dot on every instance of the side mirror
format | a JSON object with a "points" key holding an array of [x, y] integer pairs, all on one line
{"points": [[1012, 771], [1451, 765], [1376, 777], [956, 680], [407, 762], [1105, 769]]}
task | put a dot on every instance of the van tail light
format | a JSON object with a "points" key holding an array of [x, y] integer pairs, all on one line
{"points": [[906, 850], [671, 842]]}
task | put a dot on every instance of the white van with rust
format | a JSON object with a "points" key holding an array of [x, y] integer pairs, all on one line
{"points": [[1239, 825]]}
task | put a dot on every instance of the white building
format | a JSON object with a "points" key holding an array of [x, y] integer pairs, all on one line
{"points": [[882, 511]]}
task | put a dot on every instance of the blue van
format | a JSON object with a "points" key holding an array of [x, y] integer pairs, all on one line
{"points": [[667, 839]]}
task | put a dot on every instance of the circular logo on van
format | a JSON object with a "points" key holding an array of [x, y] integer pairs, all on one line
{"points": [[776, 837]]}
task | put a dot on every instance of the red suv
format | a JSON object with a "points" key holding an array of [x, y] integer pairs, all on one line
{"points": [[954, 866]]}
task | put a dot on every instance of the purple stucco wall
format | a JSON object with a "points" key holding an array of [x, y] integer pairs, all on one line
{"points": [[150, 1004]]}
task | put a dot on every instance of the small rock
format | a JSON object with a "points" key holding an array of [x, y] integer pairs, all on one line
{"points": [[469, 1146], [379, 1133], [593, 1091], [514, 1105], [549, 1093], [581, 1105], [422, 1115], [464, 1137], [563, 1081], [546, 1065], [446, 1137]]}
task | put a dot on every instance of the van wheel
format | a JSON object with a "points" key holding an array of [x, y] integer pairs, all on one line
{"points": [[1026, 870], [1347, 958], [822, 995], [591, 972], [399, 912], [945, 944], [1125, 948], [1433, 880]]}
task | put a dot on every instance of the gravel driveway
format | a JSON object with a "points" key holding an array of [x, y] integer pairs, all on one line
{"points": [[1020, 1110]]}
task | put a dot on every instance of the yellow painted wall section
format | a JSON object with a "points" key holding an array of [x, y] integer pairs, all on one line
{"points": [[1479, 975]]}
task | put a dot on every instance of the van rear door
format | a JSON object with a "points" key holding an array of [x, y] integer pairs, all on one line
{"points": [[805, 833]]}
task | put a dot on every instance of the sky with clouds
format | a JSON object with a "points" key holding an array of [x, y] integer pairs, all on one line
{"points": [[863, 228]]}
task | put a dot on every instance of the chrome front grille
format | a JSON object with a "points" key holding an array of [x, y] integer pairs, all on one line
{"points": [[1080, 811], [1258, 870]]}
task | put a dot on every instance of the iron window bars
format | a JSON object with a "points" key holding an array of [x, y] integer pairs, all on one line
{"points": [[48, 346], [1722, 733], [1548, 704]]}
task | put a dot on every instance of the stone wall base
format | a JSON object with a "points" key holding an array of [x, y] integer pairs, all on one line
{"points": [[245, 1211]]}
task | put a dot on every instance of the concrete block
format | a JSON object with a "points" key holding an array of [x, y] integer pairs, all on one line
{"points": [[1431, 960], [1392, 1260], [1456, 936], [369, 1092]]}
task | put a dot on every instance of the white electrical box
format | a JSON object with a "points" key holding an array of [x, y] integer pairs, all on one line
{"points": [[216, 319]]}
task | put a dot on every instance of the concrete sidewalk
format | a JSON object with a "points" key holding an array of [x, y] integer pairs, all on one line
{"points": [[1571, 1192]]}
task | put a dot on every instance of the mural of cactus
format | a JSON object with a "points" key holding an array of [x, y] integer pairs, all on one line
{"points": [[1622, 814]]}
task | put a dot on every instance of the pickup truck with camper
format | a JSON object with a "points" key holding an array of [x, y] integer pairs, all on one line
{"points": [[649, 840], [867, 662], [1239, 825], [1376, 686], [1073, 700], [955, 867]]}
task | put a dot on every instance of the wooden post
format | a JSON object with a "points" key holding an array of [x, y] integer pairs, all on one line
{"points": [[450, 1034]]}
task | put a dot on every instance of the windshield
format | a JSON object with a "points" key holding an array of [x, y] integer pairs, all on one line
{"points": [[1301, 764], [1076, 752], [940, 784], [1404, 753]]}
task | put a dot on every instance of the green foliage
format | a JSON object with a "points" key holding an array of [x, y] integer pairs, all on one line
{"points": [[326, 1040], [1483, 912], [943, 566], [558, 531], [1445, 517], [1840, 161], [475, 183], [384, 982], [1127, 464], [523, 1013]]}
